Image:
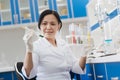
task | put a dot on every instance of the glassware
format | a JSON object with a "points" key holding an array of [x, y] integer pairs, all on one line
{"points": [[99, 7], [118, 8], [108, 42]]}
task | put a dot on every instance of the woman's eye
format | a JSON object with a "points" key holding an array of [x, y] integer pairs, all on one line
{"points": [[44, 23], [52, 24]]}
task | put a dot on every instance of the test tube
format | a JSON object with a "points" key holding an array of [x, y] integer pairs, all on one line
{"points": [[72, 32]]}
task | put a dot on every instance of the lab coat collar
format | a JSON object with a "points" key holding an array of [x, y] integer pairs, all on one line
{"points": [[47, 44], [60, 42], [57, 51]]}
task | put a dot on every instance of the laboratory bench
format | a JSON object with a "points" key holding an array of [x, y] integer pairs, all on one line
{"points": [[7, 73], [99, 68], [103, 68]]}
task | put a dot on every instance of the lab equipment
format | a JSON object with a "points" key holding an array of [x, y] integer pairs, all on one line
{"points": [[90, 40], [118, 8], [72, 32], [99, 11], [108, 42]]}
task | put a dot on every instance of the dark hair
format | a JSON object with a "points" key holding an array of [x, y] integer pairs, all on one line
{"points": [[47, 12]]}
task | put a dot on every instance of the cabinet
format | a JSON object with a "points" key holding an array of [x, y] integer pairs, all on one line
{"points": [[41, 5], [24, 11], [104, 68], [6, 12], [100, 71], [8, 76], [113, 69], [79, 8], [89, 71], [16, 11], [71, 8], [62, 7], [21, 11], [27, 11]]}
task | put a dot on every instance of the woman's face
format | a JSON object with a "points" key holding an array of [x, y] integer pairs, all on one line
{"points": [[49, 26]]}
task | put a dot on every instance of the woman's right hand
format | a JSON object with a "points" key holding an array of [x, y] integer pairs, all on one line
{"points": [[29, 37]]}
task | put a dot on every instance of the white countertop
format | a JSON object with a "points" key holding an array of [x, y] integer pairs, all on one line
{"points": [[6, 69], [110, 58]]}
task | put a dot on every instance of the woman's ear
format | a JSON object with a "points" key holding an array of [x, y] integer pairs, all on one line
{"points": [[59, 27]]}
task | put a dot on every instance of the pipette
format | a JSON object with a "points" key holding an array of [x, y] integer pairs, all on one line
{"points": [[26, 28]]}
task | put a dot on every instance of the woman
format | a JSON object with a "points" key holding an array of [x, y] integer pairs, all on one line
{"points": [[50, 58]]}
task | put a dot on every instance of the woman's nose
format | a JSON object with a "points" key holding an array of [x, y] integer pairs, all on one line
{"points": [[48, 26]]}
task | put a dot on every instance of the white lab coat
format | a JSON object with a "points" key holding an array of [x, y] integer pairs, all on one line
{"points": [[53, 63]]}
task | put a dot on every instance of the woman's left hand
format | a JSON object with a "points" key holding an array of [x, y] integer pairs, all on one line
{"points": [[87, 49]]}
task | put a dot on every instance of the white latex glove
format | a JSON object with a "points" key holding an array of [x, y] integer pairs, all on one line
{"points": [[86, 50], [29, 37]]}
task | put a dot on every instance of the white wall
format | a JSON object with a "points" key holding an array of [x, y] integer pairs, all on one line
{"points": [[12, 48]]}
